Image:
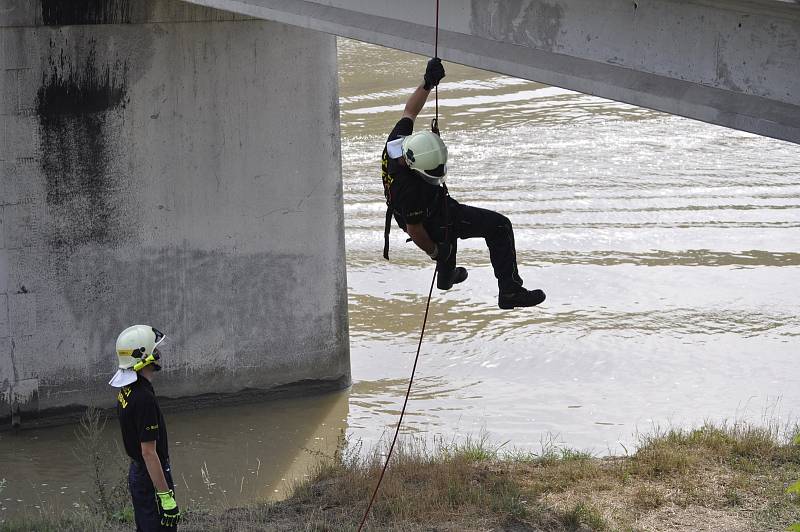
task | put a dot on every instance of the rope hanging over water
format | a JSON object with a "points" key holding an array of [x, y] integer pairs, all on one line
{"points": [[435, 123], [435, 129], [403, 411]]}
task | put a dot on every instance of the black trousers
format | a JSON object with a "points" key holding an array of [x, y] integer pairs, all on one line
{"points": [[455, 220], [143, 495]]}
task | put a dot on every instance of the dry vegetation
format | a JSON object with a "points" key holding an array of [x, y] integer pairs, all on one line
{"points": [[731, 478]]}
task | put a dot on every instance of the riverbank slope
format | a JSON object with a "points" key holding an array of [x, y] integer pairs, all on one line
{"points": [[732, 478]]}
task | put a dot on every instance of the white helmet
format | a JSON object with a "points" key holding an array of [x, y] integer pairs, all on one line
{"points": [[425, 153], [136, 348]]}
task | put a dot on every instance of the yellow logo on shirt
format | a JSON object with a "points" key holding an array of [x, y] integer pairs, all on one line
{"points": [[385, 175], [123, 393]]}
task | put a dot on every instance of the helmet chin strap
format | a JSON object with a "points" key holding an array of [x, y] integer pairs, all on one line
{"points": [[149, 360]]}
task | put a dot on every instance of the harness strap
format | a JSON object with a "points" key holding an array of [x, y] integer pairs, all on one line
{"points": [[386, 229]]}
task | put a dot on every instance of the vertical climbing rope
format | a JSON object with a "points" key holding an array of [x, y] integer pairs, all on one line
{"points": [[435, 128], [435, 125], [405, 403]]}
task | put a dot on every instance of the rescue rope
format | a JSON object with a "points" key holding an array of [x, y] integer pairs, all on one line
{"points": [[435, 124], [435, 129], [405, 403]]}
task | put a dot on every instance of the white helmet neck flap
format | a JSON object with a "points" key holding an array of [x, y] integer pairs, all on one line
{"points": [[425, 153]]}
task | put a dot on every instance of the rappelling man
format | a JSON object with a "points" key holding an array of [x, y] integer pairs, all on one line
{"points": [[414, 168], [144, 433]]}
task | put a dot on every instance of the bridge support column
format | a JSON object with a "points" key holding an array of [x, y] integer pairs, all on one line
{"points": [[172, 165]]}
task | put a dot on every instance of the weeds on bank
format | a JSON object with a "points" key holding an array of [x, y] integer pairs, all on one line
{"points": [[739, 445], [794, 489], [110, 499], [424, 484], [738, 471], [108, 505], [583, 514]]}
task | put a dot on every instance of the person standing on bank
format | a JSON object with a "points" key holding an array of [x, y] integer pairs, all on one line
{"points": [[413, 169], [144, 433]]}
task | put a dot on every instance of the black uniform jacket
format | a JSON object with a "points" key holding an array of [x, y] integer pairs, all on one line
{"points": [[140, 420], [412, 199]]}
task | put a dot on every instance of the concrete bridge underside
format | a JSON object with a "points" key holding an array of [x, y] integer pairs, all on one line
{"points": [[734, 63]]}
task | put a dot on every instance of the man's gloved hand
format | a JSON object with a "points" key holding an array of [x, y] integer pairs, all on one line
{"points": [[168, 508], [433, 73], [441, 252]]}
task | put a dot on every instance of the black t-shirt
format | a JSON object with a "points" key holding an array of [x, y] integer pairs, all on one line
{"points": [[412, 198], [140, 420]]}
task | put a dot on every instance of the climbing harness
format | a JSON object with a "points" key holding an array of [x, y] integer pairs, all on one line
{"points": [[445, 195]]}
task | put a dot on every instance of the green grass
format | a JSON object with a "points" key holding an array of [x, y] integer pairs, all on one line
{"points": [[583, 514], [648, 497]]}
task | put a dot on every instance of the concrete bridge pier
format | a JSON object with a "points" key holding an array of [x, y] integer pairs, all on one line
{"points": [[173, 165]]}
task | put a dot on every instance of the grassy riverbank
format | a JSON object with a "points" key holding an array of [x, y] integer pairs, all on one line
{"points": [[731, 478]]}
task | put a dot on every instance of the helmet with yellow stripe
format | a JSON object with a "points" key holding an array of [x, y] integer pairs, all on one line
{"points": [[137, 348]]}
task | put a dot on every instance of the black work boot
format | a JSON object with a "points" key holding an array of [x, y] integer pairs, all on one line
{"points": [[445, 282], [520, 298]]}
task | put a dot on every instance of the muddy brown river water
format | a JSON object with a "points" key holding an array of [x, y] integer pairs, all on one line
{"points": [[669, 250]]}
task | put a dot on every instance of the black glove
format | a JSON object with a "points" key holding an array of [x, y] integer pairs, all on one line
{"points": [[441, 252], [167, 508], [433, 73]]}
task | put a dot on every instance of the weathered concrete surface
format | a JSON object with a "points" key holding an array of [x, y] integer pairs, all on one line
{"points": [[734, 63], [165, 164]]}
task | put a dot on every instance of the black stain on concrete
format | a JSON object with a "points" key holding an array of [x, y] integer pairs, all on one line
{"points": [[79, 107], [66, 90], [73, 12]]}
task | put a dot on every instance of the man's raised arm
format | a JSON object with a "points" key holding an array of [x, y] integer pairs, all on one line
{"points": [[433, 75]]}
